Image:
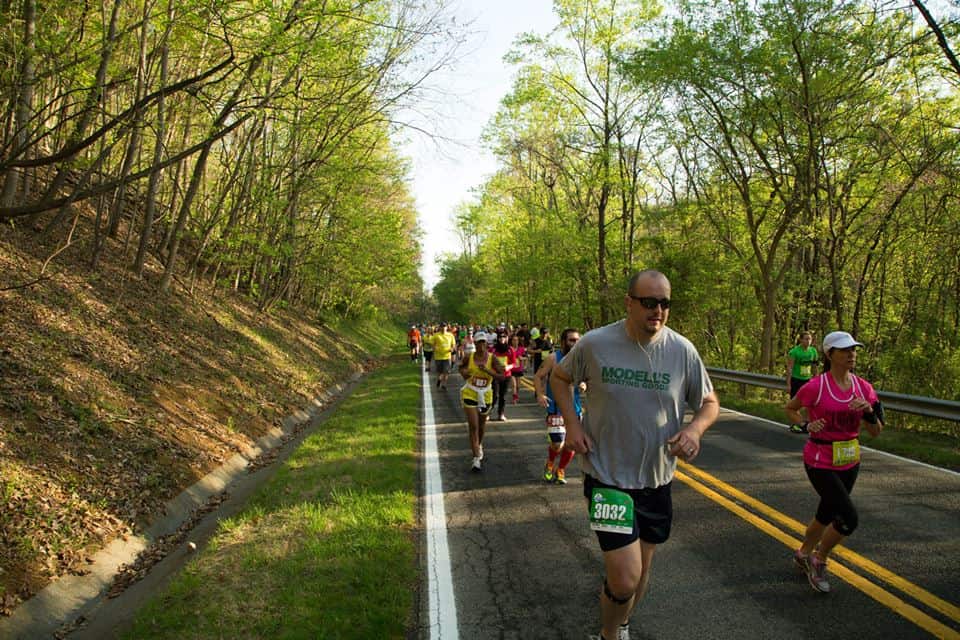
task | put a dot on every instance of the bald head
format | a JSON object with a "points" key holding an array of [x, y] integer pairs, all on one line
{"points": [[647, 276]]}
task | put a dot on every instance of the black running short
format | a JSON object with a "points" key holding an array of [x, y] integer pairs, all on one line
{"points": [[473, 403], [652, 515], [795, 384]]}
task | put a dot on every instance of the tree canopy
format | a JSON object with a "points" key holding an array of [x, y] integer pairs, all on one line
{"points": [[790, 165], [246, 145]]}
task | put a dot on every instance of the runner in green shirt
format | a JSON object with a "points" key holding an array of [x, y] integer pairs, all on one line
{"points": [[801, 361], [801, 364]]}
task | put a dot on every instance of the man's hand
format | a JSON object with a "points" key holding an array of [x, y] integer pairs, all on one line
{"points": [[685, 445], [543, 400], [578, 439]]}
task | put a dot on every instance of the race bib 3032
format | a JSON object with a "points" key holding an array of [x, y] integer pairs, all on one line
{"points": [[611, 510]]}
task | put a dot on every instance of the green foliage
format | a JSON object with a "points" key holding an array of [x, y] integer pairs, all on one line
{"points": [[789, 167], [306, 199], [460, 280]]}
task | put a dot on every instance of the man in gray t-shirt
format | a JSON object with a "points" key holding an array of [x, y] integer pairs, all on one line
{"points": [[641, 375]]}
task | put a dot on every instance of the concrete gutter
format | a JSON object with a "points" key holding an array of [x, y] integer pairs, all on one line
{"points": [[79, 603]]}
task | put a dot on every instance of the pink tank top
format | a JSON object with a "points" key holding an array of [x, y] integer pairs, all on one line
{"points": [[824, 399]]}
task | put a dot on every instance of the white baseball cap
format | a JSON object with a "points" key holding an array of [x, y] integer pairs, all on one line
{"points": [[839, 340], [480, 335]]}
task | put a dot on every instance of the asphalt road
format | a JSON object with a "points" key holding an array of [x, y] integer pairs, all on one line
{"points": [[524, 563]]}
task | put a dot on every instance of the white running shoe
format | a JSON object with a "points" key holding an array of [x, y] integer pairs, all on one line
{"points": [[623, 633], [476, 467]]}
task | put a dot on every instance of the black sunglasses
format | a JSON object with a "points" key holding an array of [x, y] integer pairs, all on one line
{"points": [[649, 302]]}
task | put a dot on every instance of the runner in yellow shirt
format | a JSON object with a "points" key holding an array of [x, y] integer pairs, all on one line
{"points": [[443, 345], [479, 370]]}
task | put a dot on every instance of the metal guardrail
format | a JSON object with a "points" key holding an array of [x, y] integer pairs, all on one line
{"points": [[917, 405]]}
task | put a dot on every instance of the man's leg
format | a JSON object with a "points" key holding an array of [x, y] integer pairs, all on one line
{"points": [[647, 550], [628, 573]]}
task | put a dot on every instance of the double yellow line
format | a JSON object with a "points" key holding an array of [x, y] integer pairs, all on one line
{"points": [[697, 480]]}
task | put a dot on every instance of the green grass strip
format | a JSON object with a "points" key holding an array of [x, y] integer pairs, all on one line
{"points": [[326, 548]]}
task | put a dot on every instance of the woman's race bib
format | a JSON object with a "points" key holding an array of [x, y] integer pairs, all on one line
{"points": [[846, 452], [479, 383], [611, 510], [806, 371]]}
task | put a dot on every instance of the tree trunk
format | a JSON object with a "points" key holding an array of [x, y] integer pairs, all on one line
{"points": [[24, 103], [93, 99], [151, 199], [133, 146]]}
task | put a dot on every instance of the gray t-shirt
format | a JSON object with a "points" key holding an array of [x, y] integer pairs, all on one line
{"points": [[635, 401]]}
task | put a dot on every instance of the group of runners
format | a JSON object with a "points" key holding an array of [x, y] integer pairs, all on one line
{"points": [[492, 361], [641, 376]]}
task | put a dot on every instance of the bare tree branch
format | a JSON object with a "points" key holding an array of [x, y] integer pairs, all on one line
{"points": [[941, 39]]}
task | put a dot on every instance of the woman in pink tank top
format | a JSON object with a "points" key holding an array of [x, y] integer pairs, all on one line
{"points": [[837, 404]]}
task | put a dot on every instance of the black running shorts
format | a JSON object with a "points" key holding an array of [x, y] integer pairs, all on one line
{"points": [[473, 403], [652, 515]]}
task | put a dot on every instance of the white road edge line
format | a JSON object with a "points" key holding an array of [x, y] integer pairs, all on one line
{"points": [[443, 607], [883, 453]]}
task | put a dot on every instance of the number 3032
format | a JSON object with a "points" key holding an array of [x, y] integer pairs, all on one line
{"points": [[603, 511]]}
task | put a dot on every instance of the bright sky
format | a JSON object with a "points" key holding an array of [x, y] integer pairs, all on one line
{"points": [[444, 172]]}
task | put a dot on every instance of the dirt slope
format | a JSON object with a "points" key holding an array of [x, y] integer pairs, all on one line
{"points": [[114, 396]]}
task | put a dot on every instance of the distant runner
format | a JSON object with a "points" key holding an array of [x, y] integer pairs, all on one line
{"points": [[556, 432], [517, 356], [428, 346], [801, 361], [542, 347], [443, 345], [501, 353], [479, 369], [413, 341]]}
